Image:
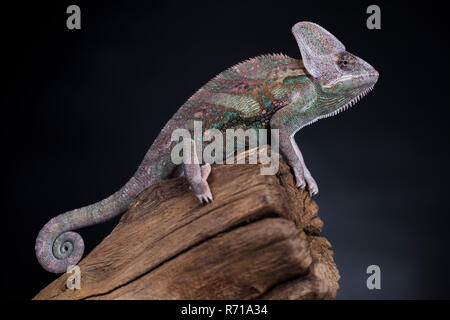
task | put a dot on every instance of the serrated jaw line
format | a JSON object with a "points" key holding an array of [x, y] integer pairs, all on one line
{"points": [[349, 104]]}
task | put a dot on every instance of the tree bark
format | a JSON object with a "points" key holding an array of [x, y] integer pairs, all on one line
{"points": [[259, 239]]}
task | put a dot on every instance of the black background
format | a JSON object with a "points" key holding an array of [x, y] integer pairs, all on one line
{"points": [[81, 107]]}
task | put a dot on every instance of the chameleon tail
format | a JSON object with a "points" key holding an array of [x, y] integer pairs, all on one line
{"points": [[57, 247]]}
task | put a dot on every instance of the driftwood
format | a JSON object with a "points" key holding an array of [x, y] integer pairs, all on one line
{"points": [[258, 239]]}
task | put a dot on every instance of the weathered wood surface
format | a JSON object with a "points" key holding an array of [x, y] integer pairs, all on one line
{"points": [[258, 239]]}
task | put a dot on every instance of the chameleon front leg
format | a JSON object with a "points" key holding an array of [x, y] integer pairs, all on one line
{"points": [[287, 121], [312, 185]]}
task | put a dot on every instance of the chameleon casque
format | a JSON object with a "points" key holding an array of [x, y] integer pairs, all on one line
{"points": [[269, 91]]}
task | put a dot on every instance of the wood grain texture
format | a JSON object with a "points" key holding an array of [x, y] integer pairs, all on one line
{"points": [[258, 239]]}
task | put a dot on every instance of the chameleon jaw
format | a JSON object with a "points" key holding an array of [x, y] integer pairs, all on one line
{"points": [[349, 104]]}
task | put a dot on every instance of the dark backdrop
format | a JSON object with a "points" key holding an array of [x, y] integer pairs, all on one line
{"points": [[80, 108]]}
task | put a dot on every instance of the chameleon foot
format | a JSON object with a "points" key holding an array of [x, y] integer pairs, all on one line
{"points": [[303, 178], [299, 177], [312, 185], [200, 187], [202, 191]]}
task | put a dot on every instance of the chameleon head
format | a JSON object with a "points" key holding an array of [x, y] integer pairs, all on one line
{"points": [[336, 72]]}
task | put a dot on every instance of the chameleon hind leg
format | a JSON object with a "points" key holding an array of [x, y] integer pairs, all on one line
{"points": [[196, 176]]}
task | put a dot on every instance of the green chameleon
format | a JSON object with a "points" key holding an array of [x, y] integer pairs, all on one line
{"points": [[269, 91]]}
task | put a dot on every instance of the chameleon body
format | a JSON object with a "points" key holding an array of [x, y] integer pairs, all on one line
{"points": [[269, 91]]}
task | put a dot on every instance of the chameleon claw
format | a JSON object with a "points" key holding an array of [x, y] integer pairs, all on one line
{"points": [[312, 186], [200, 198], [209, 197], [301, 184], [205, 197]]}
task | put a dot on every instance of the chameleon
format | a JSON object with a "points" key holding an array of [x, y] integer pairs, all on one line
{"points": [[268, 91]]}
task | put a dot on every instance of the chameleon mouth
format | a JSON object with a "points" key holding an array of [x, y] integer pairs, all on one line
{"points": [[344, 107]]}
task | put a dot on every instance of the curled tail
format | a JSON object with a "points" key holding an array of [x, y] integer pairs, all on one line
{"points": [[57, 247]]}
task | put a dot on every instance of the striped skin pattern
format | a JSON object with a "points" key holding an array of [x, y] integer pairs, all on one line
{"points": [[268, 91]]}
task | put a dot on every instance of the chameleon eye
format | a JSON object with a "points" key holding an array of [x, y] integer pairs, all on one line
{"points": [[344, 62]]}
